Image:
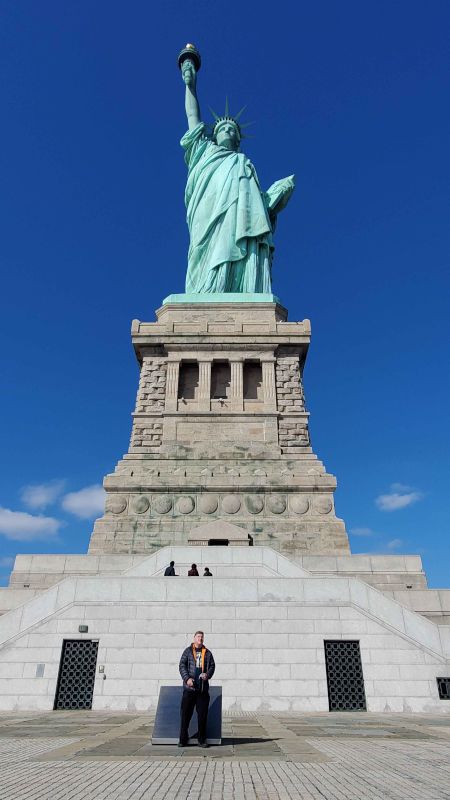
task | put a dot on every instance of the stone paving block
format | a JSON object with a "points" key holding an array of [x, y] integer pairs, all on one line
{"points": [[237, 626], [307, 655], [318, 612], [292, 688], [39, 641], [119, 655], [300, 626], [308, 671], [252, 655], [265, 611], [109, 611], [147, 688]]}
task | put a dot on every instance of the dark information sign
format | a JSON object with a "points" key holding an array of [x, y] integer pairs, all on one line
{"points": [[167, 720]]}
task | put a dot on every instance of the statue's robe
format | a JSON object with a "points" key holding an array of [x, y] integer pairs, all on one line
{"points": [[228, 218]]}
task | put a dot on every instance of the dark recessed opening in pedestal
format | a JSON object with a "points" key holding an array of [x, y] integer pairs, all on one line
{"points": [[252, 380], [220, 380], [218, 542], [188, 380]]}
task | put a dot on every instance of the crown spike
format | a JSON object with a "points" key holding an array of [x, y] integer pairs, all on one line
{"points": [[227, 114], [216, 116], [236, 116]]}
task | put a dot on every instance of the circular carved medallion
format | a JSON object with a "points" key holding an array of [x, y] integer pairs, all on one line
{"points": [[185, 505], [231, 503], [254, 503], [208, 503], [140, 504], [116, 504], [323, 505], [162, 503], [277, 503], [300, 505]]}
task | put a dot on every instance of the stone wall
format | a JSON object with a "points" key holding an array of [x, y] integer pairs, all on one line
{"points": [[290, 396], [146, 433], [152, 385], [389, 574], [267, 636], [220, 412], [292, 434], [177, 504]]}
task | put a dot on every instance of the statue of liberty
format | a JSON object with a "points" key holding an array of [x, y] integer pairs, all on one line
{"points": [[230, 219]]}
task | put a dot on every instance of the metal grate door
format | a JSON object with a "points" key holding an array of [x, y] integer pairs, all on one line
{"points": [[443, 688], [75, 686], [344, 676]]}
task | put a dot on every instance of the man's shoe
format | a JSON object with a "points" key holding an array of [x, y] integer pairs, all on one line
{"points": [[203, 744], [182, 744]]}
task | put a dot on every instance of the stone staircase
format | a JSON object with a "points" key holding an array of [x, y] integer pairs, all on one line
{"points": [[267, 631]]}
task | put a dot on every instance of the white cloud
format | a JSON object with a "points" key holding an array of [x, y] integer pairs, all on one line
{"points": [[6, 561], [24, 527], [41, 495], [400, 496], [401, 487], [394, 544], [362, 532], [86, 503]]}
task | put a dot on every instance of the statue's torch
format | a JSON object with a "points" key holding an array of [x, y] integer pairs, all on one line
{"points": [[190, 53]]}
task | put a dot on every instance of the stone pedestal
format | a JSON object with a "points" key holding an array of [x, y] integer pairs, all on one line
{"points": [[220, 432]]}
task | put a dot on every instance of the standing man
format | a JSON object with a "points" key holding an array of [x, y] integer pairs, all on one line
{"points": [[196, 668], [170, 570]]}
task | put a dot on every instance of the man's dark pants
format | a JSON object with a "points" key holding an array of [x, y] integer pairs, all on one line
{"points": [[190, 700]]}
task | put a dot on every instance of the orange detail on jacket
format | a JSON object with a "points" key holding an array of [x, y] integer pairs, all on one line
{"points": [[203, 656]]}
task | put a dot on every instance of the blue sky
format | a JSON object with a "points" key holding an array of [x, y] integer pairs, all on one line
{"points": [[353, 98]]}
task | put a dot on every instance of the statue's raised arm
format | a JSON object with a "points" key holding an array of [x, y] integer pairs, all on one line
{"points": [[189, 63]]}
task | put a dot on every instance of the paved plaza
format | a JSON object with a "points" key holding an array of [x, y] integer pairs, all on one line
{"points": [[77, 755]]}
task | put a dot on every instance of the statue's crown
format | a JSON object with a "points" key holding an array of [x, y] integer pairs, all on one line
{"points": [[227, 117], [220, 120]]}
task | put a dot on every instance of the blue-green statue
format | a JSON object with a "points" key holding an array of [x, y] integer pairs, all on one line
{"points": [[230, 219]]}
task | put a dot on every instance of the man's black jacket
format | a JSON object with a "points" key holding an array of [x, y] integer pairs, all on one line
{"points": [[187, 666]]}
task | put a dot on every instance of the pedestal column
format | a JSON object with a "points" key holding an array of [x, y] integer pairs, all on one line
{"points": [[268, 376], [204, 386], [173, 372], [237, 385]]}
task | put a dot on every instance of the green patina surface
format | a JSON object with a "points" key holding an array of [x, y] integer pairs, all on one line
{"points": [[231, 219], [222, 297]]}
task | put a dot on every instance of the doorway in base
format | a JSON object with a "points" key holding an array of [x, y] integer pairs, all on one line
{"points": [[75, 687]]}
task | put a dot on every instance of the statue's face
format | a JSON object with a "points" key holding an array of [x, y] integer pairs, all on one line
{"points": [[227, 135]]}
